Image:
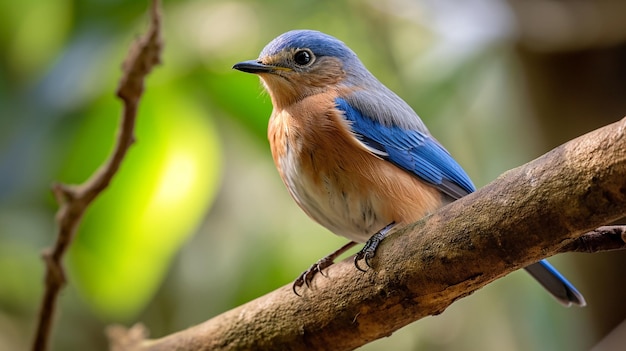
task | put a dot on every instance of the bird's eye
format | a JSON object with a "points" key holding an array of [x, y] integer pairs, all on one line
{"points": [[303, 57]]}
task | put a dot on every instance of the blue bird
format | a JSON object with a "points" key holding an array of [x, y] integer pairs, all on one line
{"points": [[353, 155]]}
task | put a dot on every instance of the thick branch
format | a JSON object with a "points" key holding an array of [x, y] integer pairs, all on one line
{"points": [[74, 200], [529, 213]]}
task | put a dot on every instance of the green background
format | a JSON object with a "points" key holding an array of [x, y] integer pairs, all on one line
{"points": [[198, 222]]}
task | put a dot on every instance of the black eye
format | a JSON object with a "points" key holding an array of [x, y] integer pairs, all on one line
{"points": [[303, 57]]}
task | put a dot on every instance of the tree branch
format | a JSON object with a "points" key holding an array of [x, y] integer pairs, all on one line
{"points": [[608, 238], [75, 199], [527, 214]]}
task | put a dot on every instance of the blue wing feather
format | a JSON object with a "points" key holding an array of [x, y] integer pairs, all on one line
{"points": [[412, 150], [417, 152]]}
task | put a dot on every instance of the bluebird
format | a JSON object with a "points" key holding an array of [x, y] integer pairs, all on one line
{"points": [[353, 155]]}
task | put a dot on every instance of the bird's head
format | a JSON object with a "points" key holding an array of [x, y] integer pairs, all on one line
{"points": [[301, 63]]}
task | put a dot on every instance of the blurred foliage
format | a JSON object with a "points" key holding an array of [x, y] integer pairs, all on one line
{"points": [[165, 187], [198, 222]]}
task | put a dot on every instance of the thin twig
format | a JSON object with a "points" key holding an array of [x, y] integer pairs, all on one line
{"points": [[75, 199], [606, 238]]}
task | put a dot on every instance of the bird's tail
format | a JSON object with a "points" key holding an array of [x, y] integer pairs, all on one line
{"points": [[556, 284]]}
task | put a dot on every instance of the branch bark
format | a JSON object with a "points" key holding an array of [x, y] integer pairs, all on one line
{"points": [[75, 199], [529, 213]]}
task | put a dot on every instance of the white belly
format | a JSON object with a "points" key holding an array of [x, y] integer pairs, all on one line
{"points": [[340, 207]]}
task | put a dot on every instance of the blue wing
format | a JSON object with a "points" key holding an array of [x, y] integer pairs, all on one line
{"points": [[411, 150], [417, 152]]}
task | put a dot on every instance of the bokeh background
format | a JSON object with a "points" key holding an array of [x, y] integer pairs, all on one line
{"points": [[198, 221]]}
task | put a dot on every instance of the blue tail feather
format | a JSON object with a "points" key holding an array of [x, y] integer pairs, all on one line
{"points": [[556, 284]]}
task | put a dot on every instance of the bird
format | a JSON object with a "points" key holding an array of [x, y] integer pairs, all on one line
{"points": [[355, 156]]}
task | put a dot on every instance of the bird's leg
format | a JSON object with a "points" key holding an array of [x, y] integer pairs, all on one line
{"points": [[307, 276], [369, 249]]}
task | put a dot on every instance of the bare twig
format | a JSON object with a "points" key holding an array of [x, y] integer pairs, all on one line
{"points": [[606, 238], [74, 199], [545, 207]]}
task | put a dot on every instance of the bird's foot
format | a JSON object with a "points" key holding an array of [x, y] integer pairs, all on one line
{"points": [[307, 276], [369, 249]]}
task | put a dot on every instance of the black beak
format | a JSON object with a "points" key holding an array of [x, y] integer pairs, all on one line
{"points": [[253, 66]]}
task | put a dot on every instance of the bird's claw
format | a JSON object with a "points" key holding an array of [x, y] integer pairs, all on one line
{"points": [[369, 249], [367, 253], [307, 276]]}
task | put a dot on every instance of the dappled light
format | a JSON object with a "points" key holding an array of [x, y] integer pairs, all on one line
{"points": [[197, 222]]}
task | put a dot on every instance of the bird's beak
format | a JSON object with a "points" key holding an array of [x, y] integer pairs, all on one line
{"points": [[253, 66]]}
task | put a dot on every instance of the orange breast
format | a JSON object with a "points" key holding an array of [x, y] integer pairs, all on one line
{"points": [[335, 179]]}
